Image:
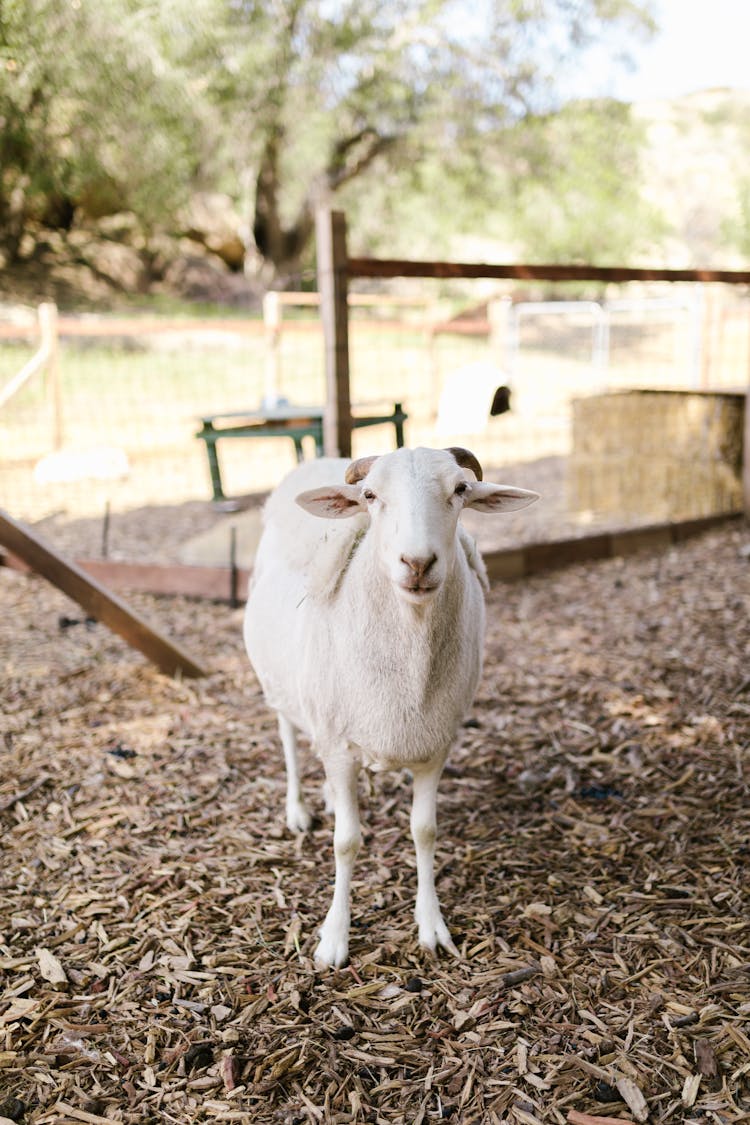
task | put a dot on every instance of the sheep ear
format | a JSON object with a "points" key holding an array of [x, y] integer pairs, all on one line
{"points": [[485, 497], [334, 503]]}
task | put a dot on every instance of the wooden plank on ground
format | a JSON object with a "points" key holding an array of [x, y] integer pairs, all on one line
{"points": [[535, 558], [98, 601], [211, 582]]}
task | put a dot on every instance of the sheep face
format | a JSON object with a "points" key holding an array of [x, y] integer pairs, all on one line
{"points": [[413, 499]]}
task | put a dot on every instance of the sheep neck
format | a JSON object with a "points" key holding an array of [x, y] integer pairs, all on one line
{"points": [[415, 634], [416, 665]]}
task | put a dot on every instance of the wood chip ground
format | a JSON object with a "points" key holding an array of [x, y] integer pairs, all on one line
{"points": [[157, 920]]}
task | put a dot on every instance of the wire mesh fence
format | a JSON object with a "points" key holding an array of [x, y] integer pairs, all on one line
{"points": [[111, 422]]}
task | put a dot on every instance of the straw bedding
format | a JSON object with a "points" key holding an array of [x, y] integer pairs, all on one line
{"points": [[157, 919]]}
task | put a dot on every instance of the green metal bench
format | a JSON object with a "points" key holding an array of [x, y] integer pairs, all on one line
{"points": [[294, 422]]}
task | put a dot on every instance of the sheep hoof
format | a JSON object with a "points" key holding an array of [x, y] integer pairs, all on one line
{"points": [[298, 818], [433, 932], [332, 952], [432, 944]]}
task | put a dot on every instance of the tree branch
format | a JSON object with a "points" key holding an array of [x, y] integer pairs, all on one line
{"points": [[370, 143]]}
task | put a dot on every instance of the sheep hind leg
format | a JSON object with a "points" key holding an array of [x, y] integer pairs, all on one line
{"points": [[298, 817], [433, 931], [341, 773]]}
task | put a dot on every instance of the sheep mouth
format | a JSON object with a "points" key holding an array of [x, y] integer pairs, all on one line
{"points": [[418, 591]]}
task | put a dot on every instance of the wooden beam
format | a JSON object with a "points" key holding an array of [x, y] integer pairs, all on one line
{"points": [[537, 558], [215, 583], [330, 231], [392, 267], [212, 583], [95, 599]]}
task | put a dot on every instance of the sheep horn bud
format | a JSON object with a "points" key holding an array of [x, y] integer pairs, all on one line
{"points": [[466, 460], [359, 469]]}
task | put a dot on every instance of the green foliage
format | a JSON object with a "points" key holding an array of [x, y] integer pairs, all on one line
{"points": [[574, 186], [371, 99], [737, 229], [94, 114], [132, 104], [733, 119], [562, 186]]}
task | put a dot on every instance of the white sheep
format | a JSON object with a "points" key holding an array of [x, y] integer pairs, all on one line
{"points": [[366, 634]]}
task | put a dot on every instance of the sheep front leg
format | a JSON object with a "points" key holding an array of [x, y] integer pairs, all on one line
{"points": [[432, 929], [341, 774], [298, 818]]}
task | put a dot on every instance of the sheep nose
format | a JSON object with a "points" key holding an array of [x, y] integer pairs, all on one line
{"points": [[419, 566]]}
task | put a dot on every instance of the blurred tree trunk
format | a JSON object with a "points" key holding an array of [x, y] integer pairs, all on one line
{"points": [[12, 222], [281, 246]]}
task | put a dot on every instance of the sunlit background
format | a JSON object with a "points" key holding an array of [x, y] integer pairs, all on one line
{"points": [[162, 222]]}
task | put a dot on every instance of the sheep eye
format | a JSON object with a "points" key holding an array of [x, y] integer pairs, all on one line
{"points": [[368, 494], [461, 488]]}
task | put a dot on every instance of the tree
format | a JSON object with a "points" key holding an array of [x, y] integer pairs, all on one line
{"points": [[316, 94], [574, 185], [729, 122], [132, 104], [736, 230], [93, 115]]}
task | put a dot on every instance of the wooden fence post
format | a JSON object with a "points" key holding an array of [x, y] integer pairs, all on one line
{"points": [[330, 229], [49, 334], [710, 335], [272, 322]]}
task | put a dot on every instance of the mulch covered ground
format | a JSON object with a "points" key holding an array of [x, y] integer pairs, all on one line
{"points": [[157, 920]]}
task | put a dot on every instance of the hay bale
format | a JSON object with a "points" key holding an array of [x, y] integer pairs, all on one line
{"points": [[668, 454]]}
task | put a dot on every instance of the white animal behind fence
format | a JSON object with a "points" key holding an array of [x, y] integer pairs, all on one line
{"points": [[366, 631], [470, 396]]}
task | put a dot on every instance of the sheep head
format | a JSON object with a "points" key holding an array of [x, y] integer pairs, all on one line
{"points": [[413, 498]]}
